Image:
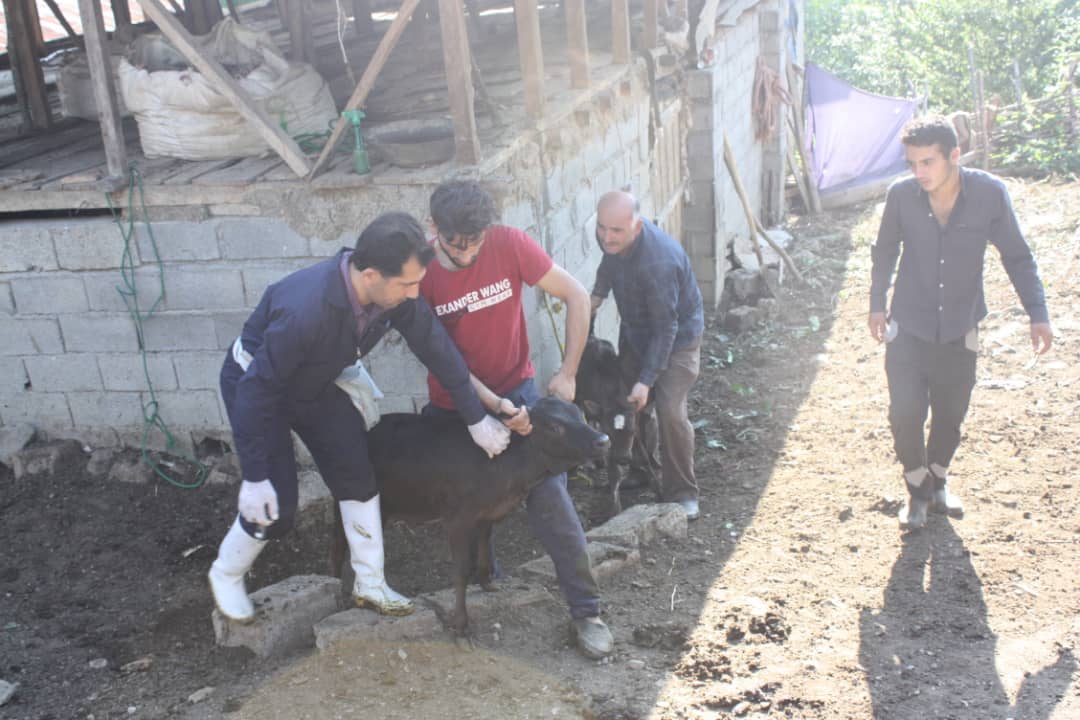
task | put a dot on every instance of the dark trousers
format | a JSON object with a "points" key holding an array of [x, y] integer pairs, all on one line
{"points": [[554, 522], [925, 376], [336, 436]]}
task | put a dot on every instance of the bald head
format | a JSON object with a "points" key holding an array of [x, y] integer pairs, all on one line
{"points": [[617, 222]]}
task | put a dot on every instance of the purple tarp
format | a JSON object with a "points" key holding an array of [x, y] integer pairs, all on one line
{"points": [[854, 135]]}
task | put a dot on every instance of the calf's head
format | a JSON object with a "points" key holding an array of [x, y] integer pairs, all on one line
{"points": [[562, 435]]}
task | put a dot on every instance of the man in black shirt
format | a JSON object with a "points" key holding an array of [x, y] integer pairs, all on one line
{"points": [[942, 218]]}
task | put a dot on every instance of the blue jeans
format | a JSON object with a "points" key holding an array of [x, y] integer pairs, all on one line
{"points": [[555, 523]]}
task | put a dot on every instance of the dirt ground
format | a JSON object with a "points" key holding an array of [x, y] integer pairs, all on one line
{"points": [[794, 596]]}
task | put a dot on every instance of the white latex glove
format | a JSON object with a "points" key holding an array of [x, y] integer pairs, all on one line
{"points": [[258, 502], [491, 435]]}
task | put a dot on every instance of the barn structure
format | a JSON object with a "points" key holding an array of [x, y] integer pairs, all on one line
{"points": [[548, 103]]}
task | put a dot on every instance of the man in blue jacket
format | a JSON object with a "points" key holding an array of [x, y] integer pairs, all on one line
{"points": [[662, 321], [280, 376]]}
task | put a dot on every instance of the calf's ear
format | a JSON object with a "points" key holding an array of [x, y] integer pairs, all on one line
{"points": [[591, 407]]}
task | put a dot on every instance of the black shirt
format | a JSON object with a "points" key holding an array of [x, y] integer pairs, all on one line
{"points": [[939, 286]]}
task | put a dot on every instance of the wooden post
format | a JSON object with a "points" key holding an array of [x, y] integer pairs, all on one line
{"points": [[457, 58], [650, 34], [301, 42], [121, 13], [261, 123], [984, 123], [367, 80], [59, 15], [577, 43], [531, 54], [362, 19], [34, 25], [29, 80], [682, 9], [101, 77], [799, 130], [620, 31]]}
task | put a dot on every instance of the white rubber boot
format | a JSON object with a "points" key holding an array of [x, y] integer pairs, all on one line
{"points": [[235, 556], [363, 530]]}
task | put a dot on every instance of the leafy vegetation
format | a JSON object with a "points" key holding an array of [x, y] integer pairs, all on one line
{"points": [[1027, 51]]}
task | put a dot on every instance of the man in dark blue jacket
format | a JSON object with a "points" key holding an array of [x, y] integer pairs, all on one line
{"points": [[662, 320], [939, 223], [279, 376]]}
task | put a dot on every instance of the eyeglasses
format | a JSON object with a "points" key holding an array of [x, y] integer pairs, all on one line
{"points": [[464, 242]]}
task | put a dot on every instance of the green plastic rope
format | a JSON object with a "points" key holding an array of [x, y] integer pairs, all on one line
{"points": [[150, 410]]}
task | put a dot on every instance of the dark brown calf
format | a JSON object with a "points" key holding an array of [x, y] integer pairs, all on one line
{"points": [[428, 468], [604, 380]]}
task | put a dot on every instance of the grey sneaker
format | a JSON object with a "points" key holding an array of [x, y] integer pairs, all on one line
{"points": [[692, 509], [593, 637], [912, 515], [946, 503]]}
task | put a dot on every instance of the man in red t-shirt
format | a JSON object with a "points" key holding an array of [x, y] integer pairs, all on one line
{"points": [[475, 288]]}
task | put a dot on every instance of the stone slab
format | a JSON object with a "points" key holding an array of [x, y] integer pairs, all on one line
{"points": [[13, 438], [285, 616], [642, 525], [606, 560], [45, 458]]}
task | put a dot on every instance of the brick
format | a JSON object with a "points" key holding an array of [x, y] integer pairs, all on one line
{"points": [[88, 245], [99, 333], [7, 300], [227, 327], [22, 336], [126, 373], [198, 371], [13, 377], [49, 294], [103, 289], [203, 289], [259, 238], [179, 332], [177, 241], [189, 409], [42, 409], [26, 247], [63, 373], [257, 279], [285, 616], [112, 409]]}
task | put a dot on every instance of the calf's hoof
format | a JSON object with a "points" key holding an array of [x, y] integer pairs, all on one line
{"points": [[593, 637], [912, 515]]}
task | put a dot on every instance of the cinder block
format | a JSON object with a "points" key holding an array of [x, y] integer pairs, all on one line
{"points": [[63, 373], [257, 279], [227, 327], [103, 289], [198, 371], [26, 246], [259, 238], [99, 333], [177, 241], [42, 409], [745, 284], [395, 369], [49, 294], [641, 525], [13, 377], [23, 336], [88, 245], [285, 616], [606, 561], [560, 223], [7, 301], [203, 289], [188, 408], [165, 331], [699, 83], [742, 318], [519, 216], [126, 372], [325, 248], [423, 624], [113, 409], [700, 216], [45, 458]]}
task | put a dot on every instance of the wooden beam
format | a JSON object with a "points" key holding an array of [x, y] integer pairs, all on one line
{"points": [[29, 79], [531, 54], [650, 34], [367, 80], [301, 41], [278, 140], [457, 57], [34, 24], [620, 31], [104, 85], [577, 43], [60, 18], [121, 13]]}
